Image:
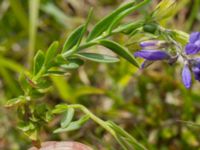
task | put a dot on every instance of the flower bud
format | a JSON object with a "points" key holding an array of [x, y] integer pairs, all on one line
{"points": [[153, 44], [152, 55], [164, 10], [151, 28], [180, 36], [186, 76]]}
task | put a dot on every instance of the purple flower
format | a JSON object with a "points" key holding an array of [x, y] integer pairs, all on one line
{"points": [[192, 65], [193, 46], [195, 64], [186, 76], [152, 44], [152, 55]]}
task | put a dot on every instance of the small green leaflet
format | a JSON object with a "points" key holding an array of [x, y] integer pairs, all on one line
{"points": [[73, 125], [129, 27], [119, 50], [24, 82], [126, 12], [73, 63], [102, 25], [38, 62], [76, 36], [16, 101], [51, 53], [73, 38], [60, 108], [67, 117], [98, 57], [124, 138]]}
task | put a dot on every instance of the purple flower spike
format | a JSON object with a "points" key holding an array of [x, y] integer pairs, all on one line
{"points": [[186, 77], [193, 46], [152, 55], [150, 43]]}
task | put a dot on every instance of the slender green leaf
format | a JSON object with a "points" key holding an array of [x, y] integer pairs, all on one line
{"points": [[98, 57], [38, 62], [118, 49], [16, 101], [12, 65], [85, 27], [87, 90], [102, 25], [129, 27], [10, 82], [122, 134], [19, 12], [73, 38], [55, 73], [73, 125], [62, 87], [67, 117], [58, 14], [73, 63], [60, 108], [51, 53], [26, 126], [120, 16], [23, 80]]}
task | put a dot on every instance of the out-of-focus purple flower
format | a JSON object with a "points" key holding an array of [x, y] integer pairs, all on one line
{"points": [[193, 46], [195, 64], [192, 65], [186, 76], [152, 55], [196, 72]]}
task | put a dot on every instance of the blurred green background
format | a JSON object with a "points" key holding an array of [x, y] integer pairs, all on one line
{"points": [[152, 104]]}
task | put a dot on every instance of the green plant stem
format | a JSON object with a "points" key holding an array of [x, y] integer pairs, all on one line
{"points": [[105, 35], [39, 74], [93, 117], [33, 21], [83, 46], [105, 125], [91, 43], [12, 65], [193, 15], [19, 12]]}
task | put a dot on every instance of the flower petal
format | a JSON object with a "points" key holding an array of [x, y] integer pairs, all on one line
{"points": [[196, 72], [149, 43], [191, 49], [186, 76], [153, 44], [152, 55], [194, 37], [146, 64], [195, 62]]}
